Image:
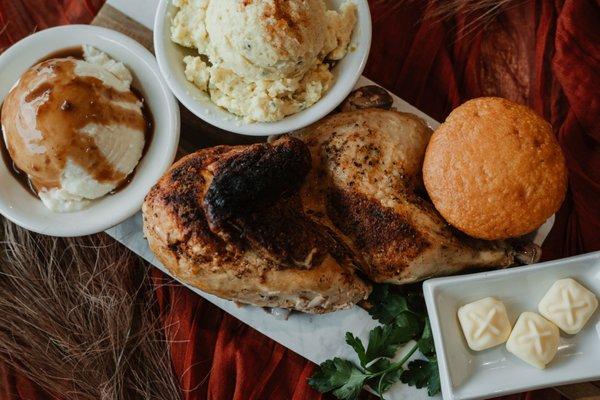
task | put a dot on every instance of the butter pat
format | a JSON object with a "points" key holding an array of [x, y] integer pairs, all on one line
{"points": [[569, 305], [534, 339], [484, 323]]}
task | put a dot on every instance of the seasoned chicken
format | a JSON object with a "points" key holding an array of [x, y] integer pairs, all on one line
{"points": [[298, 223], [229, 221], [365, 185]]}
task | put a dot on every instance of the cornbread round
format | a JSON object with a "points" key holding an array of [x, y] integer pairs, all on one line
{"points": [[494, 169]]}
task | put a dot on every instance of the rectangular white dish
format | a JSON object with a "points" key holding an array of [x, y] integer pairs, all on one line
{"points": [[466, 374]]}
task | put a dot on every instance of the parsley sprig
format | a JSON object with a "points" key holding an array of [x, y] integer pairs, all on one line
{"points": [[404, 318]]}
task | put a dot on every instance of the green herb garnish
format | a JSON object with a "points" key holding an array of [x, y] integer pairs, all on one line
{"points": [[404, 319]]}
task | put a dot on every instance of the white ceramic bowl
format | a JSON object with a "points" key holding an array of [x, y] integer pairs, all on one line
{"points": [[346, 73], [20, 206]]}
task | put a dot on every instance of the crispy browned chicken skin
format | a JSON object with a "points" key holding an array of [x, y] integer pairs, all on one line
{"points": [[228, 220]]}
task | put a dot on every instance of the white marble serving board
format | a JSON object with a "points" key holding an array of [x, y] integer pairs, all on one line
{"points": [[315, 337]]}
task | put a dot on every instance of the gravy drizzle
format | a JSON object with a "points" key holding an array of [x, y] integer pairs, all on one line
{"points": [[73, 102]]}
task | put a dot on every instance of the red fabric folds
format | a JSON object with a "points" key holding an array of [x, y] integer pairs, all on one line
{"points": [[542, 53], [19, 18]]}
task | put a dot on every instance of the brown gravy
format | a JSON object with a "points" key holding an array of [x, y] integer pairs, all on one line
{"points": [[19, 175], [73, 52], [81, 101]]}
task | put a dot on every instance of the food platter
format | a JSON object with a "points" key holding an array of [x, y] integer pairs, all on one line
{"points": [[299, 223], [315, 337]]}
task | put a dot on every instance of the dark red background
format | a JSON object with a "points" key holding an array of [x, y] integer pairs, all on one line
{"points": [[542, 53]]}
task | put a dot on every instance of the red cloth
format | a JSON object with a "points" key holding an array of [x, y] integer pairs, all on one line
{"points": [[542, 53]]}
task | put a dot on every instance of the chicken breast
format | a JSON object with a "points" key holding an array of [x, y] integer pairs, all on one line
{"points": [[228, 220]]}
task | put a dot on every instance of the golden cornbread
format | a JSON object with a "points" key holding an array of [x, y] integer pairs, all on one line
{"points": [[494, 169]]}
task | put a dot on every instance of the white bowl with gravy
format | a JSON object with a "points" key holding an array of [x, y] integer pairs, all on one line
{"points": [[86, 133]]}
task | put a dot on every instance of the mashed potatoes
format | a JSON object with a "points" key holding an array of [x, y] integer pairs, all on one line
{"points": [[75, 127], [262, 60]]}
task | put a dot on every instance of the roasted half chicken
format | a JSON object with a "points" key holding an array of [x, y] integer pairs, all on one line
{"points": [[301, 222]]}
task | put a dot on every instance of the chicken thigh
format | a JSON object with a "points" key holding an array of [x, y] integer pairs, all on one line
{"points": [[365, 184]]}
